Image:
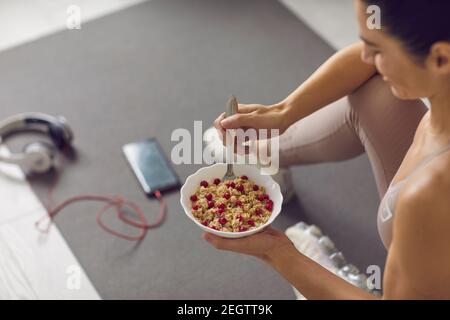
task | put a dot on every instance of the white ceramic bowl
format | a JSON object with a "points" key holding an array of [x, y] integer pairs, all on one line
{"points": [[217, 171]]}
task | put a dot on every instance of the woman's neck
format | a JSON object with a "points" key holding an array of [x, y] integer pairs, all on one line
{"points": [[439, 118]]}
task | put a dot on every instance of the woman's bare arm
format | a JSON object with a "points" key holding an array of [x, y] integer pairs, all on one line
{"points": [[339, 76], [310, 278], [313, 280]]}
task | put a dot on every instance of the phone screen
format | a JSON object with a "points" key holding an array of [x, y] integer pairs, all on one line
{"points": [[150, 166]]}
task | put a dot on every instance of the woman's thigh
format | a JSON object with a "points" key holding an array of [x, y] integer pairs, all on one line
{"points": [[385, 125], [327, 135]]}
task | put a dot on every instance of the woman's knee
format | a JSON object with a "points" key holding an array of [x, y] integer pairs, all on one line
{"points": [[370, 98], [374, 100]]}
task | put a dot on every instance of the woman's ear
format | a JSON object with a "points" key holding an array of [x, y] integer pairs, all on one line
{"points": [[439, 58]]}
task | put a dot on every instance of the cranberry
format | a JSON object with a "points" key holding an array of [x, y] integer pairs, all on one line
{"points": [[242, 229], [214, 227], [227, 195], [261, 197], [231, 185], [244, 178], [210, 204], [255, 187], [238, 203], [240, 188], [268, 206], [240, 218], [194, 198], [204, 183], [205, 223], [209, 197], [258, 211], [221, 206], [220, 211], [222, 221], [250, 222], [216, 181], [270, 202], [266, 197], [195, 207]]}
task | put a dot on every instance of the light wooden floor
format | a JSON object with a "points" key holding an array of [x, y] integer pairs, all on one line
{"points": [[34, 265]]}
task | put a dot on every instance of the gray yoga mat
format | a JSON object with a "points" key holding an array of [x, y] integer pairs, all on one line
{"points": [[146, 71]]}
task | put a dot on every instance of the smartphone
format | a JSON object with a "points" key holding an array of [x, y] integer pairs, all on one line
{"points": [[151, 166]]}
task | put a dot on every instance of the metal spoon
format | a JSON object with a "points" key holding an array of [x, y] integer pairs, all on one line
{"points": [[231, 108]]}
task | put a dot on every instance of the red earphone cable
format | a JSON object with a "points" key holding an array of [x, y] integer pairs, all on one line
{"points": [[118, 202]]}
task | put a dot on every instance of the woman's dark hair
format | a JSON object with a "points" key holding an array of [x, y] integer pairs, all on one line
{"points": [[417, 24]]}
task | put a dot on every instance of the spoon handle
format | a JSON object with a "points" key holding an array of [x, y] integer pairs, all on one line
{"points": [[231, 109], [232, 106]]}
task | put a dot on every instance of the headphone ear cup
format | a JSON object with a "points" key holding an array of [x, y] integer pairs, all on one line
{"points": [[56, 133], [60, 133], [39, 157]]}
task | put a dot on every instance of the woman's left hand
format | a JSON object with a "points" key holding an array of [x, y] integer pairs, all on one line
{"points": [[260, 245]]}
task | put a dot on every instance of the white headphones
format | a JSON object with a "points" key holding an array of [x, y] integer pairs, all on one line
{"points": [[37, 157]]}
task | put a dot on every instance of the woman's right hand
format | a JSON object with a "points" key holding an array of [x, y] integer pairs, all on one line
{"points": [[255, 116]]}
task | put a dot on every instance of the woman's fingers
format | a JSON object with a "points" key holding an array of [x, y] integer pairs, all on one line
{"points": [[253, 244], [243, 118], [224, 243], [219, 127], [247, 108], [238, 120]]}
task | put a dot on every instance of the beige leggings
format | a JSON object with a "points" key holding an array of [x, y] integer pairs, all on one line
{"points": [[369, 120]]}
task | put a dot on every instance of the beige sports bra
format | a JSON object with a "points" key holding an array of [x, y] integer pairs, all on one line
{"points": [[386, 209]]}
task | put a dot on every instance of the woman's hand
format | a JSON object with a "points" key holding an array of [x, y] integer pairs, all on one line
{"points": [[261, 245], [254, 116]]}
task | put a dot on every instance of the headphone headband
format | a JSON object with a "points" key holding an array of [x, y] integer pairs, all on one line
{"points": [[34, 121]]}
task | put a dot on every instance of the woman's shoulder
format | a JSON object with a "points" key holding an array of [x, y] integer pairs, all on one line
{"points": [[426, 195], [420, 244]]}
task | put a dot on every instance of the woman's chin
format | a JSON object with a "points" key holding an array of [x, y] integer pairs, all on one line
{"points": [[399, 93], [403, 94], [395, 92]]}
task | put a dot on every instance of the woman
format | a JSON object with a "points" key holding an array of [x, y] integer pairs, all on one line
{"points": [[368, 96]]}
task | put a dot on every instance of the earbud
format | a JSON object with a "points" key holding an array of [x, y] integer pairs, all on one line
{"points": [[38, 157]]}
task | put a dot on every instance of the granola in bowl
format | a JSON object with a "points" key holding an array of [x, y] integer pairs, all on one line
{"points": [[232, 206]]}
